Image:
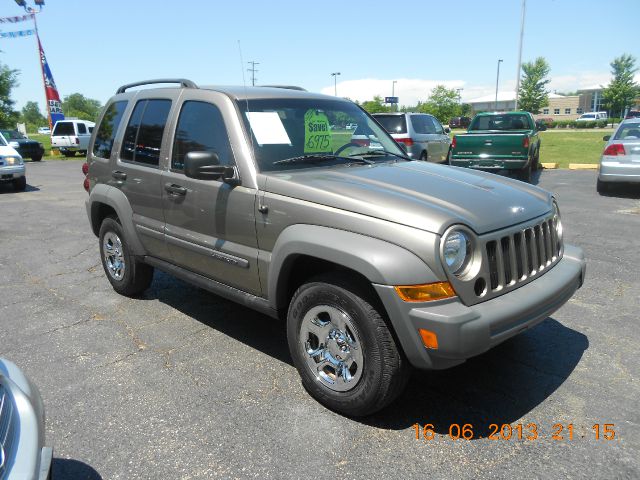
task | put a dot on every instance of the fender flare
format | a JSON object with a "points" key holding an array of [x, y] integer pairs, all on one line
{"points": [[378, 261], [114, 198]]}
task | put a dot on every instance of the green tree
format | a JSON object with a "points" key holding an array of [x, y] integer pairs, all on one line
{"points": [[78, 106], [622, 89], [376, 105], [442, 104], [8, 81], [533, 93], [32, 117]]}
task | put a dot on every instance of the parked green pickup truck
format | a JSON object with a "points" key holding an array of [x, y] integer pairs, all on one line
{"points": [[499, 141]]}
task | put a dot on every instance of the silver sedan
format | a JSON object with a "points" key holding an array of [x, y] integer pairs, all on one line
{"points": [[620, 161]]}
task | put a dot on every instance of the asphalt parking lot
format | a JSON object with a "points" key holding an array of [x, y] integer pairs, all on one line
{"points": [[182, 384]]}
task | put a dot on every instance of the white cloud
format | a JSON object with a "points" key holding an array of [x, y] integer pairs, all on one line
{"points": [[412, 90], [409, 90]]}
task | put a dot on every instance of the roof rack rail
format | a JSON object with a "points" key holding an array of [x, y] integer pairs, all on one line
{"points": [[288, 87], [184, 83]]}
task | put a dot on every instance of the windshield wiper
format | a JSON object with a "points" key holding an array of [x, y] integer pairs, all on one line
{"points": [[380, 152], [320, 157]]}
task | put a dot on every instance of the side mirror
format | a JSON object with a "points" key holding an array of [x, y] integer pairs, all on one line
{"points": [[606, 138], [447, 130], [206, 166]]}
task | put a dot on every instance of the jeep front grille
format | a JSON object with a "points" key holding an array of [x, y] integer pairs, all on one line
{"points": [[521, 255], [7, 427]]}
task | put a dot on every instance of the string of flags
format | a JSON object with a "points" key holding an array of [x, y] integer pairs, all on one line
{"points": [[22, 18], [19, 33]]}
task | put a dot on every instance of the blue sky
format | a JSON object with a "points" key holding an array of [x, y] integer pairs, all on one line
{"points": [[95, 46]]}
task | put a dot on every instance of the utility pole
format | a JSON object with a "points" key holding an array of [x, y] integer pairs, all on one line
{"points": [[458, 90], [524, 7], [497, 79], [253, 71]]}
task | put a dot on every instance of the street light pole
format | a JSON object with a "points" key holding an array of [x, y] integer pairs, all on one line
{"points": [[524, 7], [497, 79], [393, 94], [335, 83]]}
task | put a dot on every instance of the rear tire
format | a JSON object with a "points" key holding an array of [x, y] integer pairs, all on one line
{"points": [[602, 187], [36, 158], [341, 345], [127, 275], [536, 161], [425, 156], [524, 175], [20, 184]]}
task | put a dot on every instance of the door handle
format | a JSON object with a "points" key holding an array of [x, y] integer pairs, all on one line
{"points": [[174, 189], [118, 175]]}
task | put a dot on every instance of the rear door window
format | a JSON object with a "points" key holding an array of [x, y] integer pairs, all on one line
{"points": [[82, 129], [423, 124], [64, 128], [200, 129], [393, 123], [107, 130], [143, 136]]}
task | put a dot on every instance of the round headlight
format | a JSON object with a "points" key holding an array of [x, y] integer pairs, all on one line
{"points": [[456, 251], [556, 220]]}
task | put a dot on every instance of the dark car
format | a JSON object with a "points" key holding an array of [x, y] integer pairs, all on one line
{"points": [[632, 114], [26, 148], [459, 122]]}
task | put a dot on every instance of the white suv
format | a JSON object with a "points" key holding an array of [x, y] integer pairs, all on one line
{"points": [[71, 136]]}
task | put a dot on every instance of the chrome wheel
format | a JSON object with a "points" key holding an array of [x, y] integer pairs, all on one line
{"points": [[331, 347], [113, 255]]}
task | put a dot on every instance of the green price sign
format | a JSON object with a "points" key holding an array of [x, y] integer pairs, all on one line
{"points": [[317, 133]]}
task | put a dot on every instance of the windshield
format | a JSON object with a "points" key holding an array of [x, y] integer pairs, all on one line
{"points": [[3, 143], [283, 129], [500, 122], [12, 135]]}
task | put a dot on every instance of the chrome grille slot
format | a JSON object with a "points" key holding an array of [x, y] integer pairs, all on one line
{"points": [[7, 425], [521, 254]]}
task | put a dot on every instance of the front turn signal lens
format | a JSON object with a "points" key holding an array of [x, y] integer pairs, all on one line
{"points": [[429, 338], [426, 292]]}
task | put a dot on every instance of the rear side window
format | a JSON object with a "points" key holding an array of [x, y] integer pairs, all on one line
{"points": [[143, 136], [63, 128], [107, 130], [200, 129], [393, 123], [82, 129], [423, 124]]}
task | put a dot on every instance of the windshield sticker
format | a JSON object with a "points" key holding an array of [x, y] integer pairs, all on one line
{"points": [[268, 129], [317, 132]]}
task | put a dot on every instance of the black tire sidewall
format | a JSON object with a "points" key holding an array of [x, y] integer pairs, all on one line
{"points": [[363, 396], [109, 224]]}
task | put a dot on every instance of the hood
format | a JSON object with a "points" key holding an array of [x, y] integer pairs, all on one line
{"points": [[426, 196], [7, 150]]}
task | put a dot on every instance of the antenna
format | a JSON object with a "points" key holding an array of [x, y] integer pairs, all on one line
{"points": [[253, 71]]}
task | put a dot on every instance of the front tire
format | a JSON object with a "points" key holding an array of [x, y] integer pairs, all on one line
{"points": [[20, 184], [127, 275], [342, 347]]}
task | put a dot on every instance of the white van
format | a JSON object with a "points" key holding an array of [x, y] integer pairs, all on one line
{"points": [[71, 136], [592, 117]]}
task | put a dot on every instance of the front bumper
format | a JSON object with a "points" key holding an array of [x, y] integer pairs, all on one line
{"points": [[22, 427], [612, 171], [490, 163], [8, 174], [464, 332]]}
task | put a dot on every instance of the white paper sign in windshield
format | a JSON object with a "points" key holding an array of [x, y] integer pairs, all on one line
{"points": [[268, 129]]}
